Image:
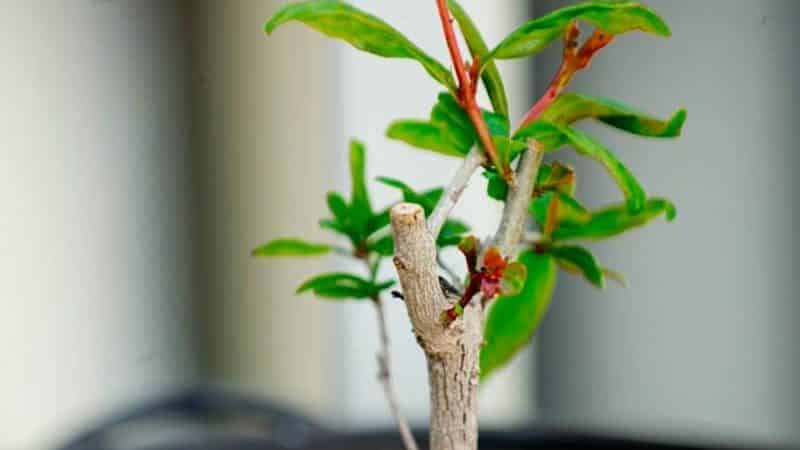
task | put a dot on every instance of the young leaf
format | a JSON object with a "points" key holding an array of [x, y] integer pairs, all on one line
{"points": [[570, 107], [360, 208], [366, 32], [611, 17], [513, 320], [513, 279], [583, 144], [614, 220], [291, 247], [478, 49], [341, 286], [469, 248], [579, 260]]}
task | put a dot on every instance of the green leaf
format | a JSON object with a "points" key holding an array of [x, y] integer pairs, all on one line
{"points": [[614, 18], [452, 233], [614, 220], [570, 107], [513, 278], [427, 199], [570, 210], [378, 221], [496, 188], [338, 206], [449, 131], [584, 145], [478, 49], [546, 133], [363, 31], [358, 176], [383, 246], [507, 149], [291, 247], [513, 320], [579, 260], [427, 136], [341, 286]]}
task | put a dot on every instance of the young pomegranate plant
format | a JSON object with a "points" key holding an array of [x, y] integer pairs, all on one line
{"points": [[469, 329]]}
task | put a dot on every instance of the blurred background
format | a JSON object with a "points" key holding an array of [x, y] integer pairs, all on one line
{"points": [[148, 146]]}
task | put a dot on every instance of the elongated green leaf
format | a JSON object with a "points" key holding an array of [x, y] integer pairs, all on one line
{"points": [[338, 206], [611, 17], [291, 247], [570, 210], [513, 320], [379, 220], [492, 80], [425, 135], [578, 259], [614, 220], [570, 107], [339, 286], [364, 31], [583, 144], [358, 176]]}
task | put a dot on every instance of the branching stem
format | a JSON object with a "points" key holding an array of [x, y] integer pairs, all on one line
{"points": [[454, 190], [467, 89]]}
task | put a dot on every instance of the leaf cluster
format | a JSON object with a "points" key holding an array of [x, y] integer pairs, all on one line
{"points": [[564, 222]]}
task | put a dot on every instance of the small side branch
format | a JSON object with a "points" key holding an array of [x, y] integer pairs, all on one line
{"points": [[384, 376], [509, 233], [471, 163]]}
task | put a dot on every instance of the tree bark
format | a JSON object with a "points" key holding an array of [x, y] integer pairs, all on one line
{"points": [[452, 352]]}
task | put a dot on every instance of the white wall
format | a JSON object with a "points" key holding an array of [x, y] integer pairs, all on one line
{"points": [[705, 339], [95, 262]]}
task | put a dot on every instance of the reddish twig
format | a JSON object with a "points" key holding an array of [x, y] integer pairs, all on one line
{"points": [[467, 88], [573, 61]]}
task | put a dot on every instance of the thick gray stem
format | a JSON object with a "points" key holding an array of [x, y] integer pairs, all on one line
{"points": [[452, 352], [509, 233]]}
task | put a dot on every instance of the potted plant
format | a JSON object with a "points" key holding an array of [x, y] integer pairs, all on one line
{"points": [[470, 326]]}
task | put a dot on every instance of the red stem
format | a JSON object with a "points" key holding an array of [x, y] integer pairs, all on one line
{"points": [[573, 61], [466, 90]]}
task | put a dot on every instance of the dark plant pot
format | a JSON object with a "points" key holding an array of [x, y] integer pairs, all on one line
{"points": [[211, 420]]}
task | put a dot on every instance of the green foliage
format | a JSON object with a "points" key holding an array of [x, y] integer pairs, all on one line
{"points": [[569, 209], [291, 247], [614, 18], [613, 221], [492, 80], [570, 107], [449, 130], [513, 320], [579, 260], [525, 286], [339, 286], [363, 31]]}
